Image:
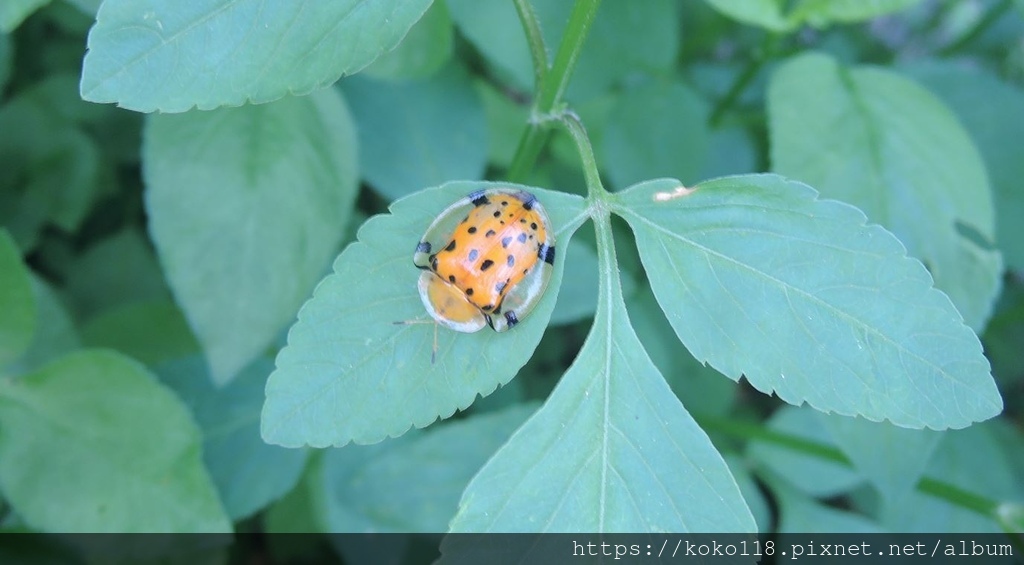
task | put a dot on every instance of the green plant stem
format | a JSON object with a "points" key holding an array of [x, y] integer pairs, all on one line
{"points": [[534, 37], [572, 123], [940, 489], [742, 81], [552, 88], [979, 28]]}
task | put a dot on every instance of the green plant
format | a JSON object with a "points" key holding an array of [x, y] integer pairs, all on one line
{"points": [[137, 375]]}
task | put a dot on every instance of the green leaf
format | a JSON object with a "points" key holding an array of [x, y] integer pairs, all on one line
{"points": [[54, 335], [18, 322], [248, 473], [994, 126], [6, 59], [366, 488], [418, 134], [1004, 335], [813, 475], [611, 450], [13, 12], [492, 27], [892, 458], [762, 13], [349, 373], [770, 14], [118, 270], [505, 123], [246, 207], [657, 130], [148, 55], [970, 459], [151, 332], [760, 278], [801, 514], [92, 442], [874, 139], [426, 48]]}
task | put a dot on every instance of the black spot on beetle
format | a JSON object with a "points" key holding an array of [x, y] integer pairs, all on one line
{"points": [[510, 260], [497, 213], [490, 233], [469, 292], [505, 241], [528, 200], [521, 237], [472, 229], [487, 308], [451, 279], [478, 198], [504, 202], [486, 264], [473, 254], [500, 287], [511, 318], [546, 253], [533, 225], [423, 247], [451, 246]]}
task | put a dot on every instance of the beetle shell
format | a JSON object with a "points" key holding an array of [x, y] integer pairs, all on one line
{"points": [[486, 260]]}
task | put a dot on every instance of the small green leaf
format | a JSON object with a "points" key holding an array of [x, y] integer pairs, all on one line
{"points": [[418, 134], [18, 322], [657, 130], [151, 332], [366, 488], [6, 59], [426, 48], [769, 14], [808, 473], [248, 473], [762, 13], [13, 12], [800, 514], [892, 458], [92, 443], [349, 373], [246, 207], [970, 459], [1004, 335], [491, 26], [995, 127], [611, 450], [54, 335], [876, 140], [148, 55], [505, 122], [760, 278], [118, 270]]}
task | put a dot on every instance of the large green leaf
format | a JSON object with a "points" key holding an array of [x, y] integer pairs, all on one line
{"points": [[657, 130], [760, 278], [892, 458], [611, 450], [248, 473], [874, 139], [412, 483], [417, 134], [350, 374], [246, 207], [995, 127], [151, 332], [13, 12], [18, 322], [150, 55], [92, 442]]}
